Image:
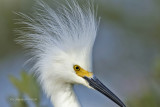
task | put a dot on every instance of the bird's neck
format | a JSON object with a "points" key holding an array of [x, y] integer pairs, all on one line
{"points": [[64, 96]]}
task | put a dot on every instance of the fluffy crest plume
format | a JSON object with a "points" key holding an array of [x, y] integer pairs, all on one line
{"points": [[49, 31]]}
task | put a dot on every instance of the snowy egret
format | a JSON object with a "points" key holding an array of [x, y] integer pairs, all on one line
{"points": [[60, 42]]}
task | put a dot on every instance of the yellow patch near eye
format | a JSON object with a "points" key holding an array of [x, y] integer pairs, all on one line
{"points": [[81, 72]]}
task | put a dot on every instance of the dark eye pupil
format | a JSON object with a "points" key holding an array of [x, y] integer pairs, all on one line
{"points": [[77, 68]]}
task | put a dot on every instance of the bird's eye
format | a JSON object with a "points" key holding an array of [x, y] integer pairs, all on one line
{"points": [[76, 67]]}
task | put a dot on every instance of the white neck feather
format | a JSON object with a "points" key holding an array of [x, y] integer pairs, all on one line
{"points": [[56, 40], [64, 96]]}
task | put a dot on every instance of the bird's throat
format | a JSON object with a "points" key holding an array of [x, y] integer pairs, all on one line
{"points": [[64, 96]]}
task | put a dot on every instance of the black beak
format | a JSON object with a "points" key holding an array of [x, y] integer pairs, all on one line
{"points": [[97, 85]]}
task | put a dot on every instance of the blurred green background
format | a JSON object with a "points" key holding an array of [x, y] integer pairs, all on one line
{"points": [[126, 56]]}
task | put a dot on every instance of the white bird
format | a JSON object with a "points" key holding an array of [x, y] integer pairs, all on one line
{"points": [[60, 42]]}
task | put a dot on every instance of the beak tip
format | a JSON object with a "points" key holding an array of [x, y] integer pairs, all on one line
{"points": [[96, 84]]}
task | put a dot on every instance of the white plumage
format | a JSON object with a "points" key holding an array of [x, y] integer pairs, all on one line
{"points": [[57, 40]]}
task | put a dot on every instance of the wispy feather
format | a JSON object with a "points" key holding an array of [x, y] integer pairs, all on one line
{"points": [[60, 42], [66, 28]]}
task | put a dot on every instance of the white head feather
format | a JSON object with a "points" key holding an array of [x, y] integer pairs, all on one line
{"points": [[57, 40]]}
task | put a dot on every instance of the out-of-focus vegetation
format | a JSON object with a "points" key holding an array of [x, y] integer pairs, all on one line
{"points": [[149, 97], [156, 74], [7, 24], [28, 89]]}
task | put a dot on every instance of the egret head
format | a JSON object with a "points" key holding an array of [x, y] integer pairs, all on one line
{"points": [[60, 42]]}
